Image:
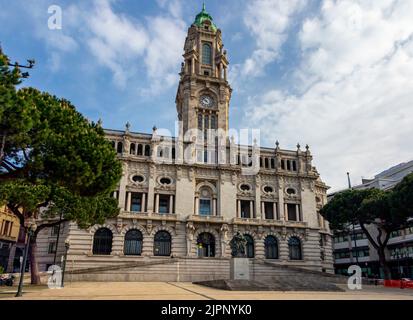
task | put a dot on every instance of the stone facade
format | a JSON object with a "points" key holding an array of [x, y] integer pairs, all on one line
{"points": [[202, 195]]}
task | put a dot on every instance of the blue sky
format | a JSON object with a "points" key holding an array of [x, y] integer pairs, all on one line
{"points": [[337, 75]]}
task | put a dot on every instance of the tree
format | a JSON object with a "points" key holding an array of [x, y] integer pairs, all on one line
{"points": [[387, 211], [54, 162]]}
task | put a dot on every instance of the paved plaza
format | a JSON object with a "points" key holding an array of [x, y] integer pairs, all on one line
{"points": [[189, 291]]}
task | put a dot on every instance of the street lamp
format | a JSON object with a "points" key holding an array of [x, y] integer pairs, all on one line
{"points": [[30, 227], [67, 246]]}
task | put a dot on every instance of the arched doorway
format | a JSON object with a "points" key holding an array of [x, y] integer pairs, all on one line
{"points": [[162, 244], [271, 247], [102, 242], [294, 248], [133, 243], [206, 245]]}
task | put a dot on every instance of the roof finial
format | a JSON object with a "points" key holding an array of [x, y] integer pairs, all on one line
{"points": [[203, 6]]}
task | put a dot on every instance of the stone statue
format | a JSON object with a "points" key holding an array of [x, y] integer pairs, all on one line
{"points": [[237, 245], [190, 230], [224, 238]]}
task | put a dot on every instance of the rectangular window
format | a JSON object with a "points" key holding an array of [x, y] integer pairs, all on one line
{"points": [[283, 164], [269, 210], [292, 211], [206, 53], [288, 165], [164, 203], [136, 202], [52, 247], [294, 165], [6, 228], [272, 163], [245, 209], [204, 207]]}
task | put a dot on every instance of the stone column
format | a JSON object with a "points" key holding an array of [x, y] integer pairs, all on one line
{"points": [[214, 207], [196, 205], [128, 201], [143, 205], [171, 204], [122, 187], [262, 210], [151, 186], [157, 203], [281, 199], [238, 208], [252, 209], [274, 210]]}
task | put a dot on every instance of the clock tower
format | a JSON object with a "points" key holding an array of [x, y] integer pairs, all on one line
{"points": [[202, 99]]}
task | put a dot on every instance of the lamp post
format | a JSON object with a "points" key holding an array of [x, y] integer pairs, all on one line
{"points": [[353, 234], [67, 246], [30, 229]]}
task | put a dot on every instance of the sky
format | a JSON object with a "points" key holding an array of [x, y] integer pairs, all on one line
{"points": [[336, 75]]}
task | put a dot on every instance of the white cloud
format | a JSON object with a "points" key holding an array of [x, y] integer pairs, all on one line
{"points": [[356, 81], [268, 22], [115, 40], [121, 43], [164, 52]]}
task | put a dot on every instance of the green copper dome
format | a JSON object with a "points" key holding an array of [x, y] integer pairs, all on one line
{"points": [[204, 16]]}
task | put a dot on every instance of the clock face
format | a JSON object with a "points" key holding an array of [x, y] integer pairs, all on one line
{"points": [[206, 101]]}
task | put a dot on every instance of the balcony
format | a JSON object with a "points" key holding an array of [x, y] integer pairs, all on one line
{"points": [[146, 216]]}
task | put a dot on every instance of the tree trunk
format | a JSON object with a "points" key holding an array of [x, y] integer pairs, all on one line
{"points": [[34, 267], [383, 263]]}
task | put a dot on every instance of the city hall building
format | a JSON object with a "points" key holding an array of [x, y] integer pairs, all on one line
{"points": [[182, 199]]}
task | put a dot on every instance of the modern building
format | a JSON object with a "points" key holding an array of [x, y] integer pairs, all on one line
{"points": [[182, 199], [353, 247]]}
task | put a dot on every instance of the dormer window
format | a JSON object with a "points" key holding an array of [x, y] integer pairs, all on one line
{"points": [[206, 54]]}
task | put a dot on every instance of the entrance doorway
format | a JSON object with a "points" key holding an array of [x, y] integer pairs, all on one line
{"points": [[206, 245]]}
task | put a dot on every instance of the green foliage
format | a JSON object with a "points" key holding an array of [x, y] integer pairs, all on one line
{"points": [[1, 270], [52, 156], [402, 200], [345, 207]]}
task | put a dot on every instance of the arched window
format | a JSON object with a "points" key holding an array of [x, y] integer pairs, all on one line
{"points": [[132, 148], [206, 245], [166, 152], [205, 201], [294, 247], [162, 244], [271, 247], [206, 54], [102, 242], [133, 243], [147, 150], [249, 247], [113, 143], [140, 150], [120, 147]]}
